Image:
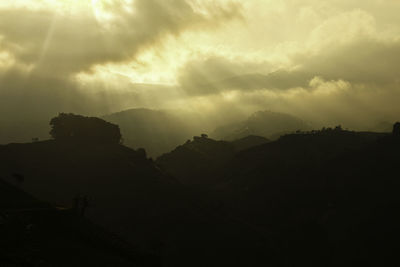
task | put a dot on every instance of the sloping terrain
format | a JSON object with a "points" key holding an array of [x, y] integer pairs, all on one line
{"points": [[200, 162], [327, 198], [197, 162], [249, 142], [131, 197], [33, 233], [319, 198]]}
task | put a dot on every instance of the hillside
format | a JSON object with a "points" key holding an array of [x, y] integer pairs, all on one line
{"points": [[13, 198], [248, 142], [262, 123], [199, 162], [33, 233], [319, 196], [311, 194], [131, 197], [306, 199]]}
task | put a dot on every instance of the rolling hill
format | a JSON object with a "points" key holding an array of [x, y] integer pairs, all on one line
{"points": [[131, 197], [199, 162], [34, 233], [320, 195]]}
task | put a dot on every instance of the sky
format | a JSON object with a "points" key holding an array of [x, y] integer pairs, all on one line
{"points": [[327, 62]]}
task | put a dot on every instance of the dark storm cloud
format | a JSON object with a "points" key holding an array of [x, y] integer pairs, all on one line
{"points": [[64, 43], [324, 61], [46, 48], [367, 61]]}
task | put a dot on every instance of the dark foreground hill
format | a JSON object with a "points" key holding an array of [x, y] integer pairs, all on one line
{"points": [[327, 198], [131, 197], [248, 142], [321, 198], [34, 233]]}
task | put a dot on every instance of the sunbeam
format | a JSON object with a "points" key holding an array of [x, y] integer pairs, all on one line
{"points": [[47, 40]]}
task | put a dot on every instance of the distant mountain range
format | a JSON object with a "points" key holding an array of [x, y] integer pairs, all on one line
{"points": [[160, 131]]}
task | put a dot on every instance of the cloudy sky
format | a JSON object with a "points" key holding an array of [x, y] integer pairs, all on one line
{"points": [[333, 61]]}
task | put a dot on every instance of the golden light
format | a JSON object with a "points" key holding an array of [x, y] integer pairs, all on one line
{"points": [[104, 10], [99, 8]]}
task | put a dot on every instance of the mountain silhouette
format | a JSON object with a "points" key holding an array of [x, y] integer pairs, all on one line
{"points": [[311, 198], [312, 194], [248, 142], [319, 195], [110, 174], [199, 162], [34, 233], [129, 195]]}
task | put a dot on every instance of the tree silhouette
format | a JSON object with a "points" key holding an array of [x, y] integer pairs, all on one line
{"points": [[396, 129], [77, 128]]}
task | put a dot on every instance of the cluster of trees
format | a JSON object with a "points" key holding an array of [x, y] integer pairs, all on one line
{"points": [[337, 128], [77, 128]]}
